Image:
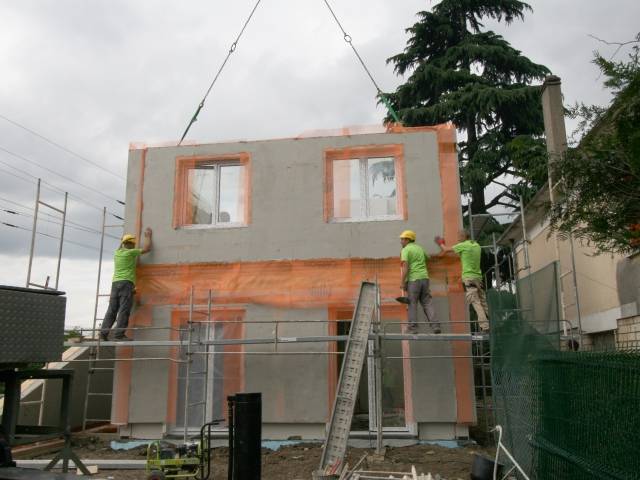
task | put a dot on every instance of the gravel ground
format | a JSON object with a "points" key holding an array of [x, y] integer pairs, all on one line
{"points": [[295, 462]]}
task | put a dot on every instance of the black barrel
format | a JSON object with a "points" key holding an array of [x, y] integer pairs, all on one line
{"points": [[482, 468], [245, 436]]}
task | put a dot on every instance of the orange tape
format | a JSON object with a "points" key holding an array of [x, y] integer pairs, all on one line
{"points": [[140, 206]]}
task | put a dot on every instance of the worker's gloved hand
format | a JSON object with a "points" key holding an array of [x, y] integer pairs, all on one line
{"points": [[439, 240]]}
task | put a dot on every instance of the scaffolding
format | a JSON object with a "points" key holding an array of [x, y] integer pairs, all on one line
{"points": [[63, 212], [192, 344]]}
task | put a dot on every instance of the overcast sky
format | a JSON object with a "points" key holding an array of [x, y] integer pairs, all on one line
{"points": [[95, 75]]}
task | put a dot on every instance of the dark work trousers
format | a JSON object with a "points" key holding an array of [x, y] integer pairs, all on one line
{"points": [[418, 292], [120, 303]]}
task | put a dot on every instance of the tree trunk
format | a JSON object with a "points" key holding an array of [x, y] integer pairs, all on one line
{"points": [[478, 204], [477, 199]]}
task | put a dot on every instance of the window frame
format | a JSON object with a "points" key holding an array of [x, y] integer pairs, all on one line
{"points": [[232, 317], [364, 154], [182, 203]]}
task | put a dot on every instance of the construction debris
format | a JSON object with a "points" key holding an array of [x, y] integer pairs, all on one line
{"points": [[382, 475]]}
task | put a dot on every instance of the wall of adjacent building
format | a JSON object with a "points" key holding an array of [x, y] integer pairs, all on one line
{"points": [[600, 283]]}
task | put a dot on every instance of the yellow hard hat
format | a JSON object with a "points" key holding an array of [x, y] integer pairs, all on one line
{"points": [[409, 235], [128, 238]]}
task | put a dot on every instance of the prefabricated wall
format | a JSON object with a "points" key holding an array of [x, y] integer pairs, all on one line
{"points": [[293, 264]]}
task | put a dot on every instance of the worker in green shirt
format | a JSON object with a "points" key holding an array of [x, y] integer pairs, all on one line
{"points": [[414, 281], [469, 252], [125, 259]]}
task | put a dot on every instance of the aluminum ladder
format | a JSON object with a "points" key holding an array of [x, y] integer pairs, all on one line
{"points": [[355, 353], [94, 352]]}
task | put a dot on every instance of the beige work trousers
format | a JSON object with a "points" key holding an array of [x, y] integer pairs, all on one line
{"points": [[474, 294]]}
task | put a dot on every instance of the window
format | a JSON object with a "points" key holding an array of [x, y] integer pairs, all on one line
{"points": [[396, 376], [212, 192], [365, 183], [212, 376]]}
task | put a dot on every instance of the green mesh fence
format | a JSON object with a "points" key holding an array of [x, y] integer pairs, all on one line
{"points": [[565, 415]]}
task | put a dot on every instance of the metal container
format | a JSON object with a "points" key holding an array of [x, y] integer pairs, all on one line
{"points": [[245, 436], [31, 325]]}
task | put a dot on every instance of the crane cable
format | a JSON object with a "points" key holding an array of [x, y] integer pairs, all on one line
{"points": [[347, 38], [215, 79]]}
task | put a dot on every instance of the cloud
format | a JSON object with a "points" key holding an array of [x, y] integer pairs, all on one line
{"points": [[94, 76]]}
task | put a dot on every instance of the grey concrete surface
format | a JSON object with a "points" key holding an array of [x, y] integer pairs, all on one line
{"points": [[287, 188]]}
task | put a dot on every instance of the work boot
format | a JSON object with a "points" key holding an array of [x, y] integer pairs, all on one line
{"points": [[104, 337], [123, 338], [412, 328], [437, 330]]}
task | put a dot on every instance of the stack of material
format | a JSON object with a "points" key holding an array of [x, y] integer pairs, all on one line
{"points": [[382, 475]]}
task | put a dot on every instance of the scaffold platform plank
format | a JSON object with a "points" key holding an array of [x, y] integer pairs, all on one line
{"points": [[273, 340]]}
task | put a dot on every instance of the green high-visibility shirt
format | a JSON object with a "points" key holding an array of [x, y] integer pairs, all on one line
{"points": [[124, 264], [469, 252], [416, 259]]}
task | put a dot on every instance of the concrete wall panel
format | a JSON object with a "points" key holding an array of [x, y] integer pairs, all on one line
{"points": [[287, 222], [149, 379], [287, 203], [294, 387]]}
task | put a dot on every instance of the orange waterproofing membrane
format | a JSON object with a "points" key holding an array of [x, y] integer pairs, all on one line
{"points": [[281, 283], [313, 283]]}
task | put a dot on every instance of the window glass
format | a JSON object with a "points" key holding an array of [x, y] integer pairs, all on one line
{"points": [[347, 197], [202, 184], [381, 177], [232, 193], [217, 194], [364, 188]]}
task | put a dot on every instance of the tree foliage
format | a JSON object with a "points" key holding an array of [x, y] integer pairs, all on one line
{"points": [[601, 176], [458, 71]]}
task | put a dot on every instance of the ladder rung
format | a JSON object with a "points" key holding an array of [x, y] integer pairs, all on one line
{"points": [[104, 294], [196, 404], [562, 275], [97, 419], [99, 394]]}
